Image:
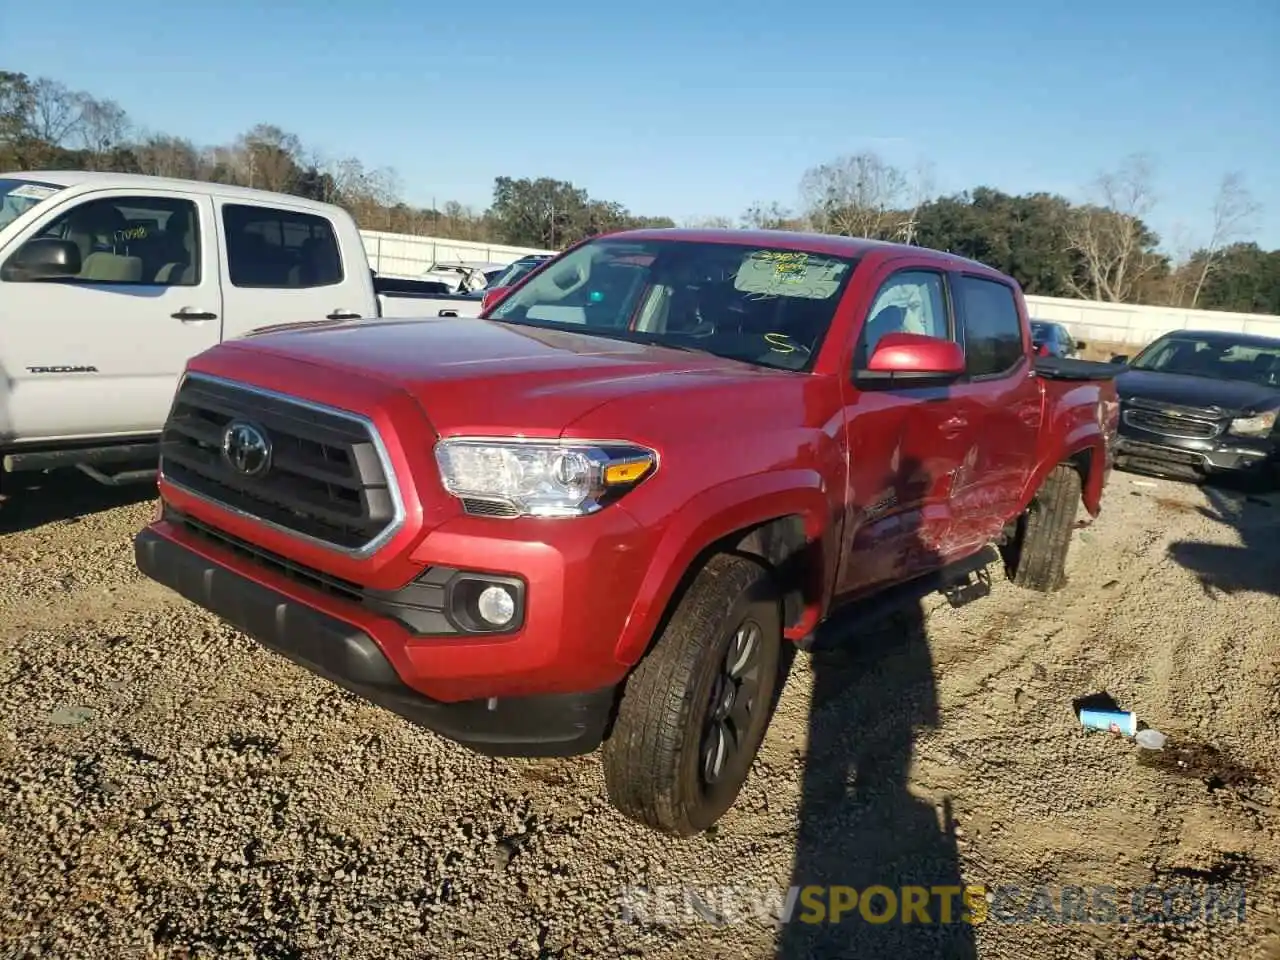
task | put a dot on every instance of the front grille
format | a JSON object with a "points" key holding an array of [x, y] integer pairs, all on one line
{"points": [[1150, 451], [326, 480], [1172, 426]]}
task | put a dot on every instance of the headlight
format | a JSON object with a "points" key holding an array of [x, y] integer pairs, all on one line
{"points": [[1258, 425], [542, 478]]}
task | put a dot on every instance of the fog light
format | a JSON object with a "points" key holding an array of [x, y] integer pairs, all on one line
{"points": [[496, 605]]}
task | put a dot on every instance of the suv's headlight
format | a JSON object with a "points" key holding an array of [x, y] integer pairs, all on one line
{"points": [[1258, 425], [542, 478]]}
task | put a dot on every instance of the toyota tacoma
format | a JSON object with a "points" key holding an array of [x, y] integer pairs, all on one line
{"points": [[594, 517]]}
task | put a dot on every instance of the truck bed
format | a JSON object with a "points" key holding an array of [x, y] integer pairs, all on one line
{"points": [[1060, 368]]}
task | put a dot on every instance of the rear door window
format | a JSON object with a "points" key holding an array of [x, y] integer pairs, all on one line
{"points": [[280, 249], [991, 324]]}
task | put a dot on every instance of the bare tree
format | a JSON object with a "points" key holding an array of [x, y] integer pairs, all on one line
{"points": [[920, 191], [103, 126], [164, 156], [267, 158], [770, 216], [1234, 210], [709, 223], [1182, 277], [55, 111], [858, 195], [1110, 237]]}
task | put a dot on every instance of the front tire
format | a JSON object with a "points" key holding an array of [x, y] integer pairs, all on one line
{"points": [[695, 710], [1038, 559]]}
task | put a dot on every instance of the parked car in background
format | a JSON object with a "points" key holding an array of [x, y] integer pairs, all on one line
{"points": [[1199, 404], [512, 275], [110, 283], [1055, 339], [465, 277], [600, 513]]}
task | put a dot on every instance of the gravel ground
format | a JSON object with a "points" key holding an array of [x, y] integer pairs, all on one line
{"points": [[170, 790]]}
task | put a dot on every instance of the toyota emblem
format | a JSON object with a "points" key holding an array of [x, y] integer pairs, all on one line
{"points": [[246, 449]]}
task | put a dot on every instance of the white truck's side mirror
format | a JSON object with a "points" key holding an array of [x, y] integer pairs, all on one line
{"points": [[44, 258]]}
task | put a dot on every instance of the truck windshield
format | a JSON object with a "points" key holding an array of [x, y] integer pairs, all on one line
{"points": [[19, 196], [766, 306], [1218, 358]]}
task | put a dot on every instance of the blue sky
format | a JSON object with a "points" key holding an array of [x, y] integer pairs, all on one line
{"points": [[694, 108]]}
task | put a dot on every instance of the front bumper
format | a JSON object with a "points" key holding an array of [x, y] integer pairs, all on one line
{"points": [[1151, 452], [348, 647]]}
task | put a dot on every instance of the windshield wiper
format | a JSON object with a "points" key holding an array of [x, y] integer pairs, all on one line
{"points": [[651, 339], [609, 333]]}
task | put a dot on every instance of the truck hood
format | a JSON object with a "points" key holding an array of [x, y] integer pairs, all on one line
{"points": [[1227, 395], [483, 377]]}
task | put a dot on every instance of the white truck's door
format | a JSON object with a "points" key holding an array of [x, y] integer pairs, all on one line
{"points": [[286, 264], [100, 353]]}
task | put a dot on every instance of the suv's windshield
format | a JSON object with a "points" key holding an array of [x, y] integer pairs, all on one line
{"points": [[1216, 358], [19, 196], [765, 306]]}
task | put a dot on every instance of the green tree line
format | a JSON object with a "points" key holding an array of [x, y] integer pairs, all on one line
{"points": [[1099, 249]]}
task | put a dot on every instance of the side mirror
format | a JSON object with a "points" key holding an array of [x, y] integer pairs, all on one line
{"points": [[492, 296], [44, 258], [916, 355], [1119, 358]]}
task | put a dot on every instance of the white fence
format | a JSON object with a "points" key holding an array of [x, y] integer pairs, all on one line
{"points": [[400, 255], [1137, 325], [395, 254]]}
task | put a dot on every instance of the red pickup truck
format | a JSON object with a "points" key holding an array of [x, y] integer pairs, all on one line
{"points": [[593, 517]]}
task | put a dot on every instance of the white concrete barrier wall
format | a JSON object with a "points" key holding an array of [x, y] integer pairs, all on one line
{"points": [[400, 255], [1138, 325], [394, 254]]}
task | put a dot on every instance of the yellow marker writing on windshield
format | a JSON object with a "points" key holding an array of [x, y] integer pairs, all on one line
{"points": [[780, 343]]}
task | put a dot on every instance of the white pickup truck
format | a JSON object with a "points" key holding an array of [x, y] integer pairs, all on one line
{"points": [[109, 283]]}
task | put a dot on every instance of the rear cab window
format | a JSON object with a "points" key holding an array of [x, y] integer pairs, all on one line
{"points": [[268, 247]]}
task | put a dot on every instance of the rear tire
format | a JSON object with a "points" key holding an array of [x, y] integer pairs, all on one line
{"points": [[1039, 556], [696, 708]]}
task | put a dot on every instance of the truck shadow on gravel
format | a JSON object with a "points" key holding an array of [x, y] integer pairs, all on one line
{"points": [[859, 826], [36, 499], [1254, 565]]}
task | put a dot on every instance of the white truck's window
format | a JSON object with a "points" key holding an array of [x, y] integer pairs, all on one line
{"points": [[286, 249], [140, 241]]}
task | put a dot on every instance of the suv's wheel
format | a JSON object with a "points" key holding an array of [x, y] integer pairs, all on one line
{"points": [[695, 709], [1037, 557]]}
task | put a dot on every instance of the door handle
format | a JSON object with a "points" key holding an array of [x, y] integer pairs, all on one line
{"points": [[188, 314], [341, 314], [447, 313]]}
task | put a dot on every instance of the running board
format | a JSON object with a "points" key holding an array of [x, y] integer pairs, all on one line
{"points": [[124, 478], [58, 459], [954, 580]]}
